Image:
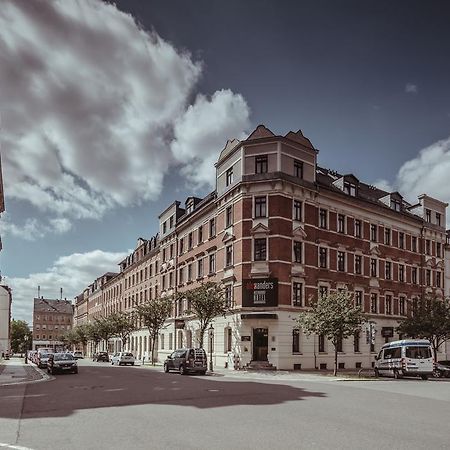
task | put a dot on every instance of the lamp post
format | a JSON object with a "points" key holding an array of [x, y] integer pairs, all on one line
{"points": [[211, 342], [25, 343]]}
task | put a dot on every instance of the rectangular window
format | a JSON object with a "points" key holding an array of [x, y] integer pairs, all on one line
{"points": [[164, 227], [260, 207], [190, 240], [438, 279], [373, 267], [181, 246], [428, 215], [428, 247], [414, 275], [228, 216], [356, 342], [387, 270], [297, 210], [295, 340], [373, 303], [401, 272], [200, 268], [260, 249], [228, 255], [438, 219], [212, 227], [229, 176], [164, 254], [323, 253], [321, 343], [323, 291], [428, 277], [373, 232], [323, 218], [171, 222], [401, 240], [350, 188], [341, 223], [388, 304], [401, 306], [414, 243], [200, 234], [189, 272], [438, 249], [171, 256], [341, 261], [298, 169], [359, 299], [261, 164], [358, 264], [358, 228], [212, 263], [297, 252], [170, 280], [297, 294], [387, 236], [229, 295]]}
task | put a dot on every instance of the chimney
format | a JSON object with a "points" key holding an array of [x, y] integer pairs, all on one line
{"points": [[61, 291], [39, 291]]}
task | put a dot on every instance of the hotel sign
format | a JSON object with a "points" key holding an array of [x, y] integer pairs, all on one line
{"points": [[260, 292]]}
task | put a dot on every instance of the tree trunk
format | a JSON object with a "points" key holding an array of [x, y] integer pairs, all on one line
{"points": [[153, 349], [335, 359]]}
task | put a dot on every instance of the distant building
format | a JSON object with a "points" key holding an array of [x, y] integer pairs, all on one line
{"points": [[5, 318], [51, 319]]}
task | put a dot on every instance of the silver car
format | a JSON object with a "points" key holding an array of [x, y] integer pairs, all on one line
{"points": [[121, 358]]}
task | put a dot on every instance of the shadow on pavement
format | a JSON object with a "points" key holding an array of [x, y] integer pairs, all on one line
{"points": [[102, 387]]}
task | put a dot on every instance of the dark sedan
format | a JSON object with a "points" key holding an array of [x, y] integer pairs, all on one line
{"points": [[62, 362], [101, 356]]}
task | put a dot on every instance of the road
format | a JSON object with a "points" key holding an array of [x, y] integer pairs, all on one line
{"points": [[106, 407]]}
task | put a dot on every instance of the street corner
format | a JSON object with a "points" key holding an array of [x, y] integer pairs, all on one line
{"points": [[15, 372]]}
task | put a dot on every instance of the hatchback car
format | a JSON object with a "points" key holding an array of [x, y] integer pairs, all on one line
{"points": [[187, 360], [100, 356], [62, 362], [77, 354], [42, 358], [122, 358]]}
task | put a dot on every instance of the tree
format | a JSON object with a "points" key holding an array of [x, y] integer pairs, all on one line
{"points": [[93, 334], [430, 320], [104, 329], [81, 335], [154, 314], [123, 324], [21, 336], [334, 316], [206, 302]]}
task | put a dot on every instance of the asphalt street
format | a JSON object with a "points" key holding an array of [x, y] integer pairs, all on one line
{"points": [[104, 407]]}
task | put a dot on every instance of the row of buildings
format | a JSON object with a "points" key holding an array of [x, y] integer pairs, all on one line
{"points": [[277, 231]]}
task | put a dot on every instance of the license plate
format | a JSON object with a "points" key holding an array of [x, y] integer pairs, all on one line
{"points": [[66, 368]]}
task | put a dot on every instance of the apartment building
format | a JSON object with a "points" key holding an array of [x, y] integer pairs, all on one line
{"points": [[278, 231], [51, 319]]}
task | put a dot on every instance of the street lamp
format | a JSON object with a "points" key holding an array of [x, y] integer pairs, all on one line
{"points": [[211, 342], [26, 349]]}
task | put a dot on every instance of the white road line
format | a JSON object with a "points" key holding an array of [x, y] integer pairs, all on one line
{"points": [[14, 447]]}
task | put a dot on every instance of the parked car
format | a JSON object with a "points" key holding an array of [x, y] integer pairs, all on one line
{"points": [[187, 360], [100, 356], [77, 354], [42, 358], [442, 369], [121, 358], [408, 357], [62, 362]]}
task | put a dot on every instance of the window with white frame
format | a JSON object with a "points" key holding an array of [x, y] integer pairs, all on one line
{"points": [[297, 293], [260, 249], [373, 302], [341, 261], [323, 257], [295, 340], [358, 264], [229, 176], [297, 210], [341, 223], [297, 252], [229, 295], [359, 299], [229, 255], [323, 218], [260, 206], [388, 304]]}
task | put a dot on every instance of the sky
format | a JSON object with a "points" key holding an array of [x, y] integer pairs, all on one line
{"points": [[110, 112]]}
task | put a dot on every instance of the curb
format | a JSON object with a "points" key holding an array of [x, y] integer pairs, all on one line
{"points": [[44, 377]]}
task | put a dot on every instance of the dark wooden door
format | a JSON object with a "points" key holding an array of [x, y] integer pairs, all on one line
{"points": [[260, 344]]}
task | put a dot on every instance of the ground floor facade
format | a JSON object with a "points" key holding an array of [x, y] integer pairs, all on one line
{"points": [[271, 336]]}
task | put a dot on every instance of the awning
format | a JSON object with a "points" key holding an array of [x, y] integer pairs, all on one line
{"points": [[259, 316]]}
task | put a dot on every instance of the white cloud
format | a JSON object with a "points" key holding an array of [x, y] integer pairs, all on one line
{"points": [[73, 273], [384, 185], [201, 133], [88, 105], [411, 88]]}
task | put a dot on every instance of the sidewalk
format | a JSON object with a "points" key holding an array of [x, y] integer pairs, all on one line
{"points": [[15, 371]]}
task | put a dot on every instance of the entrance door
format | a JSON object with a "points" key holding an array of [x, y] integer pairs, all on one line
{"points": [[260, 344]]}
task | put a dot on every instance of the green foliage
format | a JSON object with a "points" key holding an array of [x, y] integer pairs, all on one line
{"points": [[154, 314], [334, 316], [430, 320], [206, 302], [21, 336], [123, 324]]}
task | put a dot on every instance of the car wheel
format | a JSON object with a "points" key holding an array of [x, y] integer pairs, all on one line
{"points": [[112, 363], [132, 364], [120, 363], [424, 377], [166, 368], [75, 371], [183, 370], [377, 373], [203, 372], [396, 374]]}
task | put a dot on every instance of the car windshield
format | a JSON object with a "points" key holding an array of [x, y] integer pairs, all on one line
{"points": [[418, 352], [63, 356], [128, 354], [43, 355]]}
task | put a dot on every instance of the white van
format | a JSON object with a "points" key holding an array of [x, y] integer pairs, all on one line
{"points": [[408, 357]]}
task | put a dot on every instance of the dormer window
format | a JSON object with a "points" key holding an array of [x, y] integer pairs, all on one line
{"points": [[350, 188], [298, 169], [396, 205], [189, 208], [229, 176], [261, 164], [428, 215]]}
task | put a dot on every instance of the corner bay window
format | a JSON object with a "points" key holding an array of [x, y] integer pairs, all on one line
{"points": [[261, 164], [260, 249]]}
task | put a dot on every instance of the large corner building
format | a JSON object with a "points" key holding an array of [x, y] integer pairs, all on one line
{"points": [[278, 231]]}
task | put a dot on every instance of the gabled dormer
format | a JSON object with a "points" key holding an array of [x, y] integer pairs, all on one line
{"points": [[394, 200], [348, 184]]}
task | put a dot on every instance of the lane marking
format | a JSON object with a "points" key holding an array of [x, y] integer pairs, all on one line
{"points": [[14, 447]]}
